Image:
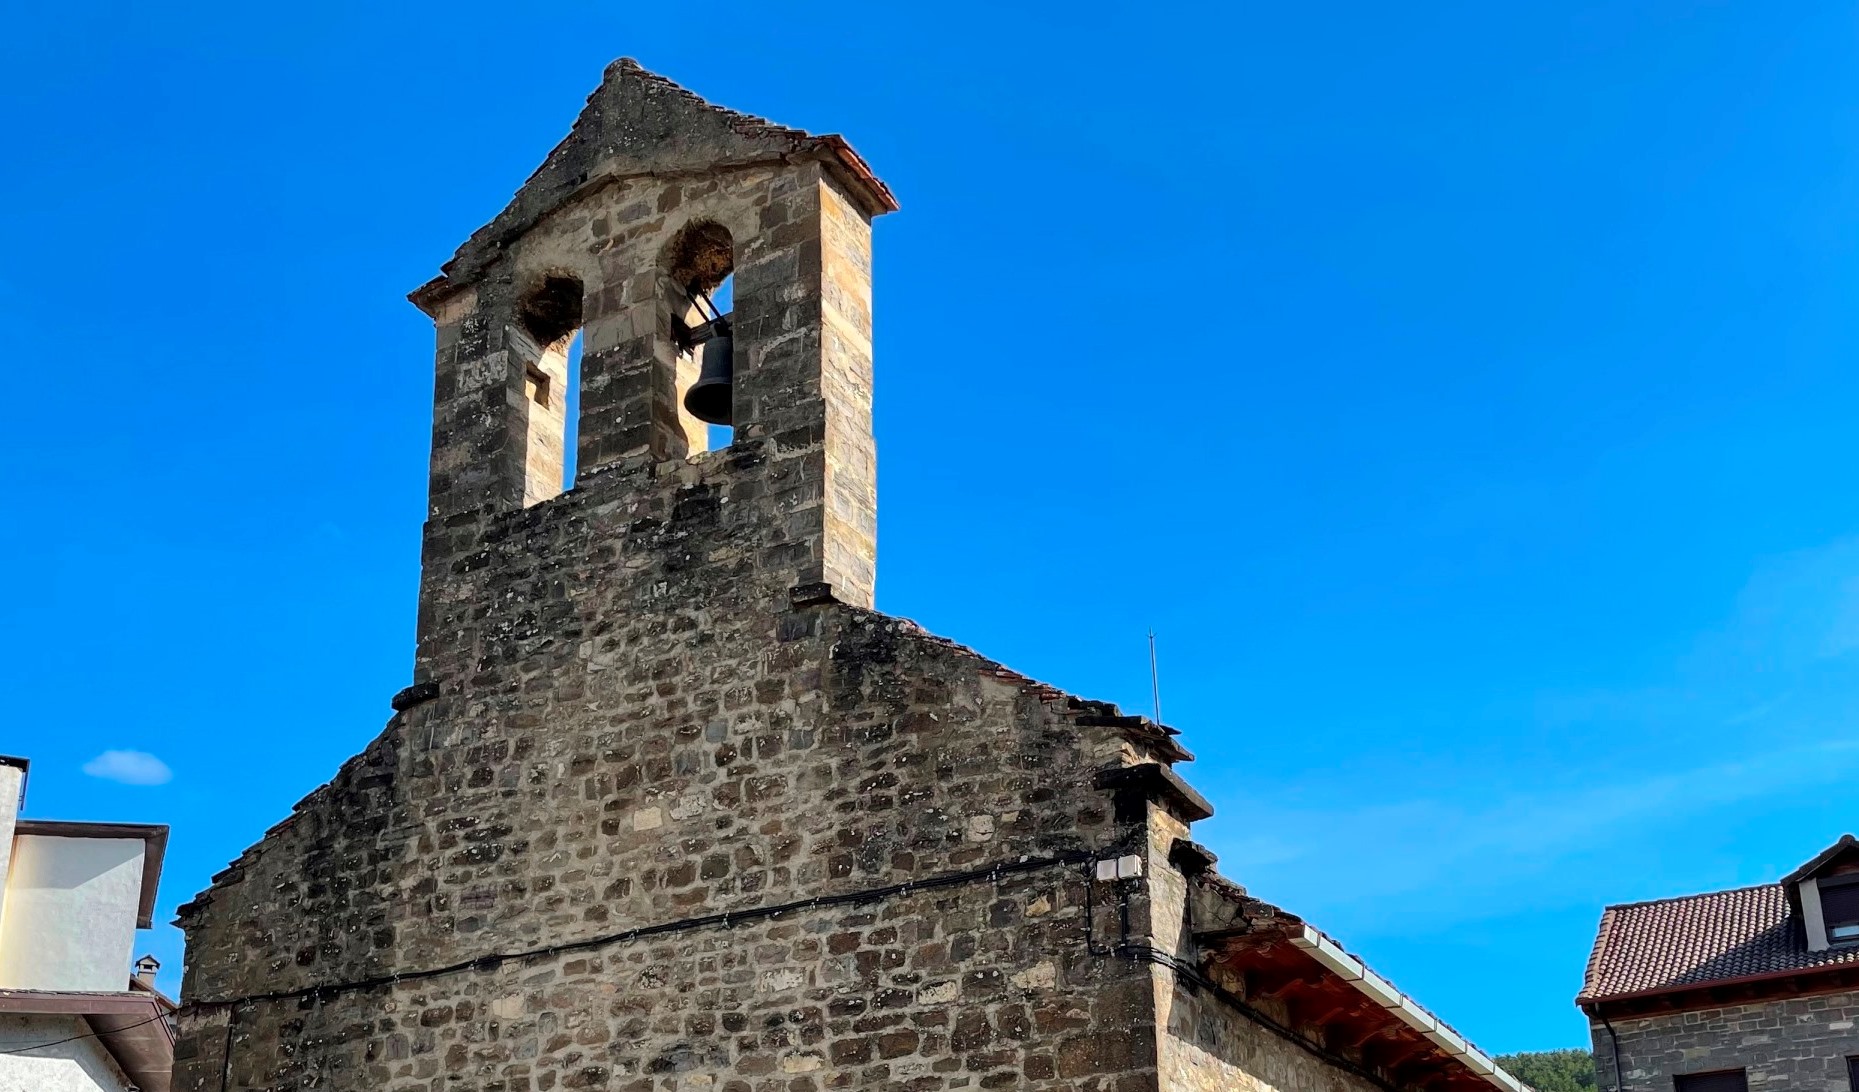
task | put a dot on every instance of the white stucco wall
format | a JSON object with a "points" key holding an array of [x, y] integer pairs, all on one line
{"points": [[70, 919], [12, 784], [78, 1066]]}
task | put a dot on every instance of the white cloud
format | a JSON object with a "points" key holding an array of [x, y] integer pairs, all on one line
{"points": [[129, 768], [1462, 857]]}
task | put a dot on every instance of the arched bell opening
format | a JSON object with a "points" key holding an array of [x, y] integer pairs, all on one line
{"points": [[699, 263], [546, 342]]}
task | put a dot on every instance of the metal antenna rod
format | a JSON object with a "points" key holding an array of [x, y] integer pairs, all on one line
{"points": [[1155, 679]]}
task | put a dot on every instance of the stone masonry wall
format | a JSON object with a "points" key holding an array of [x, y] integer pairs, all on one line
{"points": [[655, 733], [1208, 1047], [1800, 1045], [1204, 1044], [669, 808]]}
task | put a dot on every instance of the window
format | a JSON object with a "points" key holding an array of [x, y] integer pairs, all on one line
{"points": [[1726, 1080], [1839, 908], [1852, 1072]]}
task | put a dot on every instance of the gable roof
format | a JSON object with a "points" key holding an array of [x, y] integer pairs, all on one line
{"points": [[639, 123], [1692, 941], [1825, 857]]}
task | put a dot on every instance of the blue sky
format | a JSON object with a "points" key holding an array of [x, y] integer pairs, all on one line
{"points": [[1463, 391]]}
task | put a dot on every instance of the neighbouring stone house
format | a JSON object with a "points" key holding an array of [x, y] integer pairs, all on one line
{"points": [[1755, 988], [669, 805], [73, 1018]]}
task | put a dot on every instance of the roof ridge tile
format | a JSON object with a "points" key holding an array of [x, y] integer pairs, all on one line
{"points": [[1695, 895]]}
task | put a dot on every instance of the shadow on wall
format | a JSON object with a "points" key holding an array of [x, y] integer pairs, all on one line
{"points": [[67, 864]]}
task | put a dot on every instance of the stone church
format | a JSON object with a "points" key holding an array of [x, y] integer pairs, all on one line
{"points": [[669, 805]]}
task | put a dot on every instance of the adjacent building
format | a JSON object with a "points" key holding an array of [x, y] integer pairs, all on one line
{"points": [[669, 806], [73, 1016], [1755, 988]]}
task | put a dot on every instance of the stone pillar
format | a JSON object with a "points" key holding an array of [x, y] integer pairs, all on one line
{"points": [[630, 391], [804, 367], [480, 423]]}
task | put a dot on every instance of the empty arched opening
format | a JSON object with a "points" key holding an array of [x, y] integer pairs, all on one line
{"points": [[546, 344], [699, 262]]}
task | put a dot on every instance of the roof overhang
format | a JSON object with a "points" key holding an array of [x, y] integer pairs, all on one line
{"points": [[24, 766], [154, 837], [133, 1027], [874, 194], [1825, 857], [1331, 998], [1833, 978]]}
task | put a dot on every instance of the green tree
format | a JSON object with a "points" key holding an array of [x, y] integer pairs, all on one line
{"points": [[1552, 1070]]}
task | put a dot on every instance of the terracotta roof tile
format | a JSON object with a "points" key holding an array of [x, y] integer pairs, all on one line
{"points": [[1696, 940]]}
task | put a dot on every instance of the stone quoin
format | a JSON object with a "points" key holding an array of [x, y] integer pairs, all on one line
{"points": [[668, 804]]}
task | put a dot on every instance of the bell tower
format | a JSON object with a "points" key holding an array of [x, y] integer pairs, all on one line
{"points": [[669, 807], [655, 197]]}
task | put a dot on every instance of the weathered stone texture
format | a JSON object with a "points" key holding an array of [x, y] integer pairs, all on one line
{"points": [[802, 331], [1208, 1047], [1799, 1044], [660, 698], [648, 731], [1204, 1043]]}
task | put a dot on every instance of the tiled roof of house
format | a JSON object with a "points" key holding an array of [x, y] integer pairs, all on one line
{"points": [[1696, 940]]}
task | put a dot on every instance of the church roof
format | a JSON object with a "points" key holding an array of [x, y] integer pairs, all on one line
{"points": [[638, 123], [1274, 955]]}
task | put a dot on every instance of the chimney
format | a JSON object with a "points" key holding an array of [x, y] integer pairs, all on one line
{"points": [[12, 795], [146, 967]]}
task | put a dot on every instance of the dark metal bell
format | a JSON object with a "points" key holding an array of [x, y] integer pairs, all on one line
{"points": [[710, 398]]}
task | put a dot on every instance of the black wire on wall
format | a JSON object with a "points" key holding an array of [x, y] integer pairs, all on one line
{"points": [[724, 919], [1124, 948]]}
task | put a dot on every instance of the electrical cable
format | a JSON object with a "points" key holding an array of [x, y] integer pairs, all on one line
{"points": [[91, 1035], [726, 918], [225, 1054], [1123, 948], [1186, 970]]}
